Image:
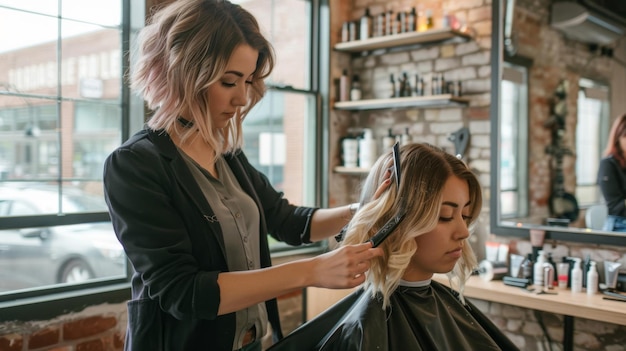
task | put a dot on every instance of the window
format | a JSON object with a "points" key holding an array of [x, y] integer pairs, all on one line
{"points": [[513, 142], [281, 132], [592, 130], [61, 114]]}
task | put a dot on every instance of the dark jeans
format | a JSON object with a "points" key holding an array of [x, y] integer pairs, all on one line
{"points": [[255, 346], [615, 224]]}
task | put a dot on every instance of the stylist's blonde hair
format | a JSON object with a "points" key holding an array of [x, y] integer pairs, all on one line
{"points": [[425, 170], [186, 47]]}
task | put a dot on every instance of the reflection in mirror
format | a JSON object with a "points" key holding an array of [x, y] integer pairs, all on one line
{"points": [[554, 101]]}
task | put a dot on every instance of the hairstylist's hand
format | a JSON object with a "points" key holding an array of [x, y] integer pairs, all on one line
{"points": [[344, 267]]}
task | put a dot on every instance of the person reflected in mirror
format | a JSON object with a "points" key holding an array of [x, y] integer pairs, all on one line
{"points": [[191, 212], [400, 306], [612, 176]]}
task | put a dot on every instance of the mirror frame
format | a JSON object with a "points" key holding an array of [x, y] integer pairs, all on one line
{"points": [[580, 235]]}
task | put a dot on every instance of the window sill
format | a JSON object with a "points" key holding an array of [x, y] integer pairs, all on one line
{"points": [[55, 304]]}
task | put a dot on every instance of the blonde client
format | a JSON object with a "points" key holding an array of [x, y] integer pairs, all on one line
{"points": [[432, 207]]}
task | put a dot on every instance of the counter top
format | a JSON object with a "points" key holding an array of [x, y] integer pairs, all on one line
{"points": [[564, 302]]}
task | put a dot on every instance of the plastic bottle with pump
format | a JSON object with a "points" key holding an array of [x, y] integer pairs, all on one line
{"points": [[538, 270], [577, 276], [367, 149], [592, 279]]}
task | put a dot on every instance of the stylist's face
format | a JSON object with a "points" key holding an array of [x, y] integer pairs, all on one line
{"points": [[440, 249], [230, 92]]}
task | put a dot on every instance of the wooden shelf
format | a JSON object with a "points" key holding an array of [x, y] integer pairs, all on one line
{"points": [[351, 170], [431, 101], [402, 40]]}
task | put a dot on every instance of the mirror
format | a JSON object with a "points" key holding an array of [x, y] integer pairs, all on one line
{"points": [[556, 87]]}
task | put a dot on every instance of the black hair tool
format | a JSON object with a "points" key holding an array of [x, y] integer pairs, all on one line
{"points": [[391, 224]]}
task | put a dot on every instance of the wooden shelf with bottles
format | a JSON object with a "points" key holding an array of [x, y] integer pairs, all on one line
{"points": [[429, 36], [428, 101]]}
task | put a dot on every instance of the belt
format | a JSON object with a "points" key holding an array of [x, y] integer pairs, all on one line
{"points": [[249, 337]]}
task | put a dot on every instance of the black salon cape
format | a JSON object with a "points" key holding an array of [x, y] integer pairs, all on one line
{"points": [[419, 318]]}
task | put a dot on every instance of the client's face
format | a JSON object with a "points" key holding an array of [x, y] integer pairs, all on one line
{"points": [[439, 250]]}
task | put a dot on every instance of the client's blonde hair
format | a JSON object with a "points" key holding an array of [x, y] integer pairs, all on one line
{"points": [[424, 172]]}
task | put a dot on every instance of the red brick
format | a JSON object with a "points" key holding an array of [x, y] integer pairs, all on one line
{"points": [[44, 337], [87, 327], [11, 342], [118, 341], [92, 345]]}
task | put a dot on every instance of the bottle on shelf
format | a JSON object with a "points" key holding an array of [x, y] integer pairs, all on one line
{"points": [[411, 20], [555, 277], [419, 85], [538, 270], [563, 273], [367, 149], [389, 24], [355, 88], [392, 85], [406, 91], [352, 30], [350, 151], [345, 32], [585, 267], [430, 23], [388, 140], [379, 25], [406, 138], [527, 267], [592, 279], [577, 276], [402, 21], [365, 25], [344, 86], [397, 25]]}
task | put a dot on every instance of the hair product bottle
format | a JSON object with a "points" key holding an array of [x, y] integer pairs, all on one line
{"points": [[538, 270], [367, 149], [350, 151], [592, 279], [392, 85], [527, 267], [577, 276], [563, 273], [366, 24], [355, 89], [388, 140], [344, 86]]}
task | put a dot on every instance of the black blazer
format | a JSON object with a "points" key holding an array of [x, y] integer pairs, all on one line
{"points": [[612, 181], [176, 245]]}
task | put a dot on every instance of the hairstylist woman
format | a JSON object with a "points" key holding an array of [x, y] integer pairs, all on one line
{"points": [[612, 176], [190, 210]]}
